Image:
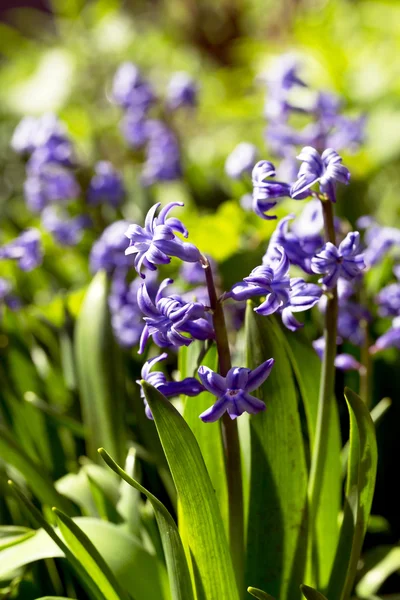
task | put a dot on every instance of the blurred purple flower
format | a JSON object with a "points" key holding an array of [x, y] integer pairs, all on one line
{"points": [[163, 158], [378, 240], [182, 91], [6, 295], [106, 186], [390, 339], [343, 362], [171, 321], [388, 300], [54, 183], [190, 386], [325, 169], [108, 252], [241, 160], [66, 230], [156, 242], [26, 249], [233, 391], [134, 128], [345, 261], [130, 89]]}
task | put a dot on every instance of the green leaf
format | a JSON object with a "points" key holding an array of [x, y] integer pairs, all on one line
{"points": [[13, 534], [259, 594], [140, 573], [53, 598], [208, 435], [311, 594], [89, 557], [277, 528], [360, 485], [204, 531], [307, 367], [34, 475], [181, 586], [99, 369]]}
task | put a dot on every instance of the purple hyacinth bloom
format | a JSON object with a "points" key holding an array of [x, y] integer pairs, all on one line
{"points": [[156, 242], [345, 261], [134, 128], [106, 187], [26, 249], [163, 157], [343, 362], [302, 296], [130, 89], [283, 73], [266, 193], [347, 134], [241, 160], [351, 319], [270, 280], [54, 183], [390, 339], [171, 321], [181, 91], [190, 386], [6, 295], [327, 106], [388, 300], [325, 169], [233, 392], [67, 231], [108, 252], [378, 240]]}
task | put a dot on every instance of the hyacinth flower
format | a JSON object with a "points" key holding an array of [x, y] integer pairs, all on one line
{"points": [[270, 280], [302, 296], [181, 91], [163, 157], [26, 249], [156, 242], [108, 252], [390, 339], [343, 261], [378, 240], [190, 386], [233, 392], [343, 361], [241, 160], [325, 169], [7, 298], [106, 186], [388, 300], [67, 231], [266, 192], [130, 89], [52, 183], [170, 321]]}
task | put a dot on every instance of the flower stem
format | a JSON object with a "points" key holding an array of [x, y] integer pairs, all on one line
{"points": [[326, 390], [230, 437]]}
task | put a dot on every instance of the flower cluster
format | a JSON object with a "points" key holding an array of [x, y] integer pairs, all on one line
{"points": [[26, 249], [135, 95], [52, 186]]}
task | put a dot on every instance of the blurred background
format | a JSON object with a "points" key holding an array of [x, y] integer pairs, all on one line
{"points": [[61, 56]]}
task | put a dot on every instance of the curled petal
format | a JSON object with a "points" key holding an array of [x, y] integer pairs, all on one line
{"points": [[213, 382], [216, 411], [259, 375]]}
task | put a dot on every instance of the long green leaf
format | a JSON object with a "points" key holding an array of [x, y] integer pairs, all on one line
{"points": [[204, 531], [35, 476], [307, 368], [89, 557], [208, 435], [178, 571], [360, 487], [386, 563], [99, 368], [277, 528]]}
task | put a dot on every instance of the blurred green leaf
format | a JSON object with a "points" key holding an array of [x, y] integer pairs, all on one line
{"points": [[100, 376], [278, 480], [307, 367], [33, 473], [13, 534], [180, 582], [380, 563], [204, 532], [360, 485]]}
